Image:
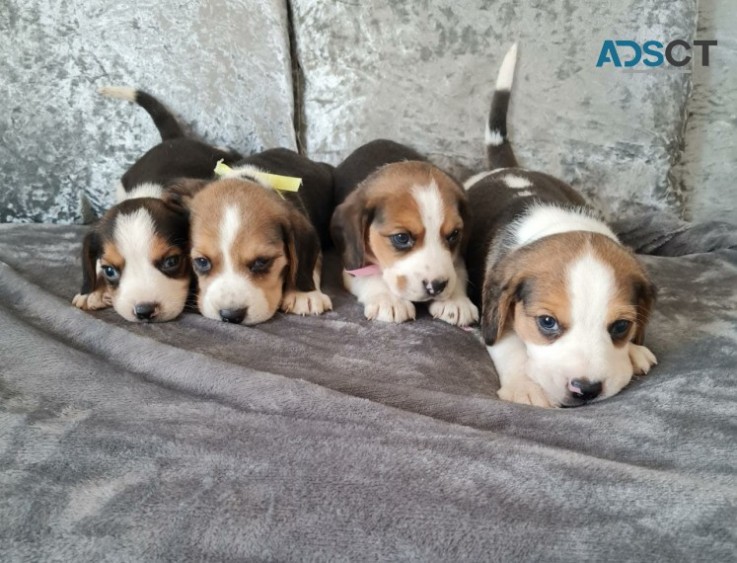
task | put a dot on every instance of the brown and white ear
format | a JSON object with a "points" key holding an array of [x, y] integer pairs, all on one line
{"points": [[91, 252], [500, 293], [348, 230], [179, 192], [303, 249], [645, 294]]}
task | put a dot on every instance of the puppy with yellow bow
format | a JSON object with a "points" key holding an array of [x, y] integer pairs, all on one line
{"points": [[257, 235]]}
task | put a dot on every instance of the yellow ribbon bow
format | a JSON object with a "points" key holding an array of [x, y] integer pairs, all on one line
{"points": [[274, 181]]}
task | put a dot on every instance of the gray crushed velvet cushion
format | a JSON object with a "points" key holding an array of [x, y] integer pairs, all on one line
{"points": [[422, 73], [224, 67]]}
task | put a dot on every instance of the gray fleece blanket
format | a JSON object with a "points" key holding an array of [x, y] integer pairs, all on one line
{"points": [[336, 438]]}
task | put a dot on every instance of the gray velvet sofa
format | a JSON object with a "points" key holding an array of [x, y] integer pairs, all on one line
{"points": [[336, 438]]}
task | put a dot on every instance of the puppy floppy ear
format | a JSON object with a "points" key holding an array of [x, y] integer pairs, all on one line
{"points": [[91, 252], [179, 193], [645, 294], [500, 293], [348, 230], [303, 248]]}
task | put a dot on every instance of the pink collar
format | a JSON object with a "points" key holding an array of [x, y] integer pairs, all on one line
{"points": [[370, 270]]}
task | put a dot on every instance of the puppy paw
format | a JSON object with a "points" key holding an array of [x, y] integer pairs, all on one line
{"points": [[459, 311], [306, 302], [92, 301], [388, 308], [641, 358], [524, 392]]}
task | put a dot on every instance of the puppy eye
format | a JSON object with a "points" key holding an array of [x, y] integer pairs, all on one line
{"points": [[260, 265], [201, 265], [618, 329], [111, 273], [548, 325], [453, 237], [171, 262], [402, 241]]}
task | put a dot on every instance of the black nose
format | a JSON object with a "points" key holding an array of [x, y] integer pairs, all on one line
{"points": [[584, 389], [435, 287], [145, 311], [233, 315]]}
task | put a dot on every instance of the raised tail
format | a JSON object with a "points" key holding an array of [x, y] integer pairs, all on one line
{"points": [[499, 152], [164, 120]]}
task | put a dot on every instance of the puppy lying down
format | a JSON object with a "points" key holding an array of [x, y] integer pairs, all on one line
{"points": [[136, 258], [256, 250], [400, 227], [564, 304]]}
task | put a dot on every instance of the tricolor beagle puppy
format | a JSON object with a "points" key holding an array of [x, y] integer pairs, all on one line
{"points": [[400, 226], [564, 304], [135, 258], [256, 250]]}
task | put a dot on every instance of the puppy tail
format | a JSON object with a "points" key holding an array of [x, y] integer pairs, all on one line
{"points": [[164, 120], [499, 152]]}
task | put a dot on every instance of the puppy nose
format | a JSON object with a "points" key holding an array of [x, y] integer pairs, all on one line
{"points": [[584, 389], [145, 311], [233, 315], [435, 287]]}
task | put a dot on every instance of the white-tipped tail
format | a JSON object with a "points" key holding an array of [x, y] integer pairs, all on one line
{"points": [[499, 153], [120, 92], [506, 73]]}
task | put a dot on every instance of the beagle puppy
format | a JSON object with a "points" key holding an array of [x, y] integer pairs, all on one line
{"points": [[256, 250], [564, 304], [400, 228], [135, 258]]}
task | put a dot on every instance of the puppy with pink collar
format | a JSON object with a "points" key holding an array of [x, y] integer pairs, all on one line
{"points": [[400, 228]]}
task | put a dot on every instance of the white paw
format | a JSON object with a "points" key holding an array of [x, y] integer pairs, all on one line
{"points": [[99, 299], [459, 311], [641, 358], [388, 308], [306, 302], [524, 392]]}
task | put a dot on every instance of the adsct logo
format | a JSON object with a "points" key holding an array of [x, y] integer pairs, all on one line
{"points": [[652, 55]]}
